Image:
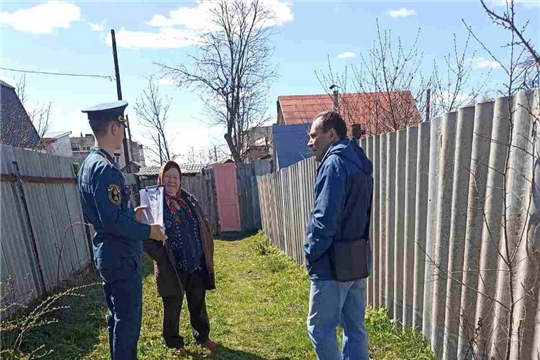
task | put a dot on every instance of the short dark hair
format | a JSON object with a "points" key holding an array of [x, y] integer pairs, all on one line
{"points": [[99, 128], [332, 120]]}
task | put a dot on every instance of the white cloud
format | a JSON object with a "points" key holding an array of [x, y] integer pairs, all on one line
{"points": [[42, 18], [401, 13], [165, 38], [166, 81], [184, 25], [525, 3], [481, 63], [448, 98], [97, 27], [199, 17], [345, 55]]}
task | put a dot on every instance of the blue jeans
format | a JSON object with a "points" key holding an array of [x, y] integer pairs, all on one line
{"points": [[333, 304]]}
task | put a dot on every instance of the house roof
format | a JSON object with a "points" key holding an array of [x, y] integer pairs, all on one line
{"points": [[16, 128], [186, 169], [3, 83], [256, 152], [356, 108], [56, 134]]}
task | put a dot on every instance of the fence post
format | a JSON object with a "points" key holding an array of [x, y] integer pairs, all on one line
{"points": [[20, 185]]}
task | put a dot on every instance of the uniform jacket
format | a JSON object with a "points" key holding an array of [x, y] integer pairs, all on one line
{"points": [[107, 206]]}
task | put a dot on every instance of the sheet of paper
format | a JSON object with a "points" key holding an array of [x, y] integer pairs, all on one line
{"points": [[153, 198]]}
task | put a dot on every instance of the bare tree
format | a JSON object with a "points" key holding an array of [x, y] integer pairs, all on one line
{"points": [[384, 88], [39, 115], [451, 84], [206, 155], [152, 110], [232, 69], [390, 88]]}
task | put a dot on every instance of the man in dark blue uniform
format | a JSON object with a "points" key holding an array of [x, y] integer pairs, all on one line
{"points": [[118, 239]]}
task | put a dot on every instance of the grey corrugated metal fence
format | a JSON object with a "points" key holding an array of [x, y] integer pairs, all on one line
{"points": [[43, 238], [455, 231]]}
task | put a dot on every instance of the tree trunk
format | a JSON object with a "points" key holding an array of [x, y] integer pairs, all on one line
{"points": [[234, 151]]}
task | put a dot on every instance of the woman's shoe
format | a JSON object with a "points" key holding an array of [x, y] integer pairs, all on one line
{"points": [[210, 345]]}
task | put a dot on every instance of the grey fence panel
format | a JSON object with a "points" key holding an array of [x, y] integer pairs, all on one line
{"points": [[399, 224], [432, 221], [421, 226], [382, 219], [375, 223], [44, 239], [444, 213], [475, 215], [523, 225], [455, 227], [460, 187], [411, 156], [18, 260], [494, 207], [390, 245]]}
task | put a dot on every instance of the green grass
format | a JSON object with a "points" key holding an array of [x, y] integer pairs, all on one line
{"points": [[257, 312]]}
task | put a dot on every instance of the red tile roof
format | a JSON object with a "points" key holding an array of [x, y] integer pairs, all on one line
{"points": [[372, 110]]}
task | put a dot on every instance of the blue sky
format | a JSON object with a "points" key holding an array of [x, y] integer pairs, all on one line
{"points": [[74, 37]]}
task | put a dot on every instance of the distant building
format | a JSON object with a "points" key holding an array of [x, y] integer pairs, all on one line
{"points": [[148, 175], [16, 127], [366, 114], [258, 144], [374, 112], [57, 143], [290, 144], [80, 147]]}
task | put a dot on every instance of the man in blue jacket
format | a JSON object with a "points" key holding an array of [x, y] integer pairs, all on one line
{"points": [[341, 213], [118, 238]]}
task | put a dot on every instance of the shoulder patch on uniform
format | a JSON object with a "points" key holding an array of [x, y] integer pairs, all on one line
{"points": [[114, 194]]}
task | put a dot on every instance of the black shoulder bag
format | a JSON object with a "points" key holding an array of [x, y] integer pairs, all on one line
{"points": [[351, 260]]}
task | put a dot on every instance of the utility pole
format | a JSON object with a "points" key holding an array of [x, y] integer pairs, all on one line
{"points": [[119, 92], [160, 152], [428, 105], [129, 138]]}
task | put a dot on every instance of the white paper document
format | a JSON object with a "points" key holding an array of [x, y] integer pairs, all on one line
{"points": [[153, 197]]}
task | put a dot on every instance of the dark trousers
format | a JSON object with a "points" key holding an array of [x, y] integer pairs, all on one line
{"points": [[195, 290], [124, 301]]}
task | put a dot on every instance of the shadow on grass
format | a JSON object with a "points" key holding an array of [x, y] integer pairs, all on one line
{"points": [[224, 353], [236, 235]]}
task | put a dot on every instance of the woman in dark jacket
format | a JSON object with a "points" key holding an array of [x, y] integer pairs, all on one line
{"points": [[184, 263]]}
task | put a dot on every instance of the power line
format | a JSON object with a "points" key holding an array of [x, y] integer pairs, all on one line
{"points": [[110, 78]]}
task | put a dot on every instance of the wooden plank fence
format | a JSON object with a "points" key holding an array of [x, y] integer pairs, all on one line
{"points": [[248, 193]]}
